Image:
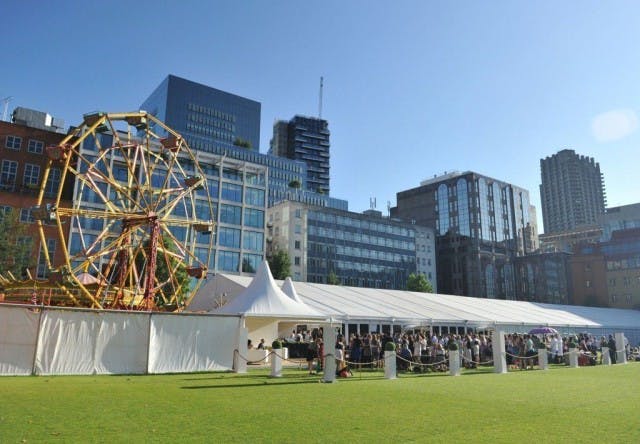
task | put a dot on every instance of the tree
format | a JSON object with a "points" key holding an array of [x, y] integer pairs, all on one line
{"points": [[418, 282], [280, 264], [15, 245], [295, 183], [332, 279], [238, 141]]}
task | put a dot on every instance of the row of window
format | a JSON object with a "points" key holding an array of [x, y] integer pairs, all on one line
{"points": [[31, 176], [348, 267], [213, 122], [626, 281], [360, 224], [211, 112], [628, 298], [201, 129], [15, 143], [359, 237]]}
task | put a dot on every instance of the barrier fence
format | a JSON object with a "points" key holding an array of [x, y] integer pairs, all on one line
{"points": [[44, 340]]}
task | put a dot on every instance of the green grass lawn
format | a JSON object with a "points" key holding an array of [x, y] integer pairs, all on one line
{"points": [[588, 404]]}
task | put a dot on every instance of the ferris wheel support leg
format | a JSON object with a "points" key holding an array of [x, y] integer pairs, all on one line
{"points": [[154, 233]]}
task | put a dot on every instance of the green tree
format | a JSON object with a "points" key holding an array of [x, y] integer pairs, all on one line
{"points": [[15, 245], [332, 279], [238, 141], [418, 282], [295, 183], [280, 264]]}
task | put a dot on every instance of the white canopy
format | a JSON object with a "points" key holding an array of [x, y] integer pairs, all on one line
{"points": [[263, 298], [370, 305], [290, 290]]}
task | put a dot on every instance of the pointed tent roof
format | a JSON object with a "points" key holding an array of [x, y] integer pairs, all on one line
{"points": [[290, 290], [263, 298]]}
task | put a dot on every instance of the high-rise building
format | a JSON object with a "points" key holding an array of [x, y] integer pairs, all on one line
{"points": [[228, 125], [572, 192], [481, 224], [306, 139], [357, 249]]}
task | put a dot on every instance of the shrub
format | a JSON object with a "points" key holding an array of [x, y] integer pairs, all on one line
{"points": [[452, 345], [390, 346], [276, 345]]}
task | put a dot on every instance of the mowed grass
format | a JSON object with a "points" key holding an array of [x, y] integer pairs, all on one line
{"points": [[588, 404]]}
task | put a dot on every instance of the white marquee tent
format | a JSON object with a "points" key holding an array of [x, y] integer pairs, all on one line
{"points": [[353, 305], [268, 310]]}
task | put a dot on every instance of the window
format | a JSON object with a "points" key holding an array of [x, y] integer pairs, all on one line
{"points": [[253, 240], [298, 213], [13, 142], [35, 146], [296, 261], [6, 209], [253, 218], [587, 284], [229, 237], [31, 174], [297, 245], [53, 181], [228, 261], [230, 214], [8, 172], [26, 216], [298, 229], [254, 197], [232, 192]]}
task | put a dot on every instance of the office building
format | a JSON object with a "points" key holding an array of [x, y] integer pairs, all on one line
{"points": [[211, 120], [482, 225], [355, 249], [607, 274], [572, 192], [306, 139], [544, 278], [228, 125], [619, 218]]}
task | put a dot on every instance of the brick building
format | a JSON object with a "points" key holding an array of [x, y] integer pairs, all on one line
{"points": [[23, 161]]}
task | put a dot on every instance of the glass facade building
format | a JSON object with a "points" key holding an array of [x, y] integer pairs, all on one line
{"points": [[217, 122], [481, 226]]}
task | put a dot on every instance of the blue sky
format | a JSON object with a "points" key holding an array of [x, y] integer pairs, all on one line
{"points": [[412, 88]]}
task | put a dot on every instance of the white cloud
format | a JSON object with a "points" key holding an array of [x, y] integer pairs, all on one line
{"points": [[614, 125]]}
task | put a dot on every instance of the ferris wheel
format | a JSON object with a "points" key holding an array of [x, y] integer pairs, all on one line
{"points": [[138, 231]]}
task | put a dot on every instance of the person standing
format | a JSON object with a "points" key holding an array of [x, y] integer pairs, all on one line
{"points": [[612, 349]]}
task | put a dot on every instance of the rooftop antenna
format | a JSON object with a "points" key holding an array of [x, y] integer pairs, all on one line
{"points": [[372, 203], [6, 101], [320, 98]]}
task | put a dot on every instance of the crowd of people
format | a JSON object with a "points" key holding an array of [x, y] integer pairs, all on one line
{"points": [[424, 349]]}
